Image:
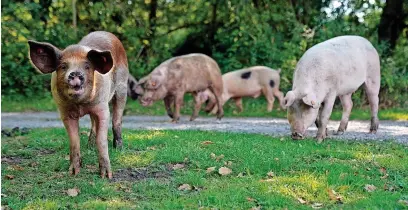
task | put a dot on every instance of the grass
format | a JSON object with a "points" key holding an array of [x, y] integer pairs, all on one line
{"points": [[252, 108], [35, 177]]}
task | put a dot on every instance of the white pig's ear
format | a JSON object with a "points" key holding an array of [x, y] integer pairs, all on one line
{"points": [[310, 99], [289, 98]]}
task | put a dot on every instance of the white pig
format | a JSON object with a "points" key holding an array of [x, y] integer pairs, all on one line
{"points": [[336, 67]]}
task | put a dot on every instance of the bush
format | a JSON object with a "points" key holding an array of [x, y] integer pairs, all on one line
{"points": [[242, 35]]}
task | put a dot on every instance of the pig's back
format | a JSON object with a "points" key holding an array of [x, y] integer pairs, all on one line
{"points": [[340, 64], [105, 41], [249, 81], [194, 71]]}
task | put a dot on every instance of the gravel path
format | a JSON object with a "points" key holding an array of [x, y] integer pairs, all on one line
{"points": [[357, 130]]}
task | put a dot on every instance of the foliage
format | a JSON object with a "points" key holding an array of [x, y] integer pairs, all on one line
{"points": [[236, 34], [149, 172]]}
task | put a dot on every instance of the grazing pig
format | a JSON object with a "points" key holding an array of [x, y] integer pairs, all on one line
{"points": [[173, 78], [85, 77], [336, 67], [248, 82], [131, 90]]}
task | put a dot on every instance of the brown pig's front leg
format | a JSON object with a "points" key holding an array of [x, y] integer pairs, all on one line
{"points": [[72, 127], [102, 124], [178, 101], [167, 103]]}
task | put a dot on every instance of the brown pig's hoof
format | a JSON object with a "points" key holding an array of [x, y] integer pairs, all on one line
{"points": [[193, 118], [320, 140], [104, 172], [107, 175], [74, 168], [117, 143]]}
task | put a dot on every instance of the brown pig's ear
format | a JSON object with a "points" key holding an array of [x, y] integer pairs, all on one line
{"points": [[310, 99], [44, 56], [102, 61]]}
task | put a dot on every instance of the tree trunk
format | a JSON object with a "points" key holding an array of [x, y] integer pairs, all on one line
{"points": [[392, 22]]}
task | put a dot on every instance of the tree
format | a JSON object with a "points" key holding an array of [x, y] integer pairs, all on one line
{"points": [[392, 22]]}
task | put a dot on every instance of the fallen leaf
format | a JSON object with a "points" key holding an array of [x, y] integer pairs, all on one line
{"points": [[224, 171], [270, 174], [66, 157], [18, 168], [369, 187], [207, 142], [403, 202], [301, 200], [240, 175], [210, 169], [385, 176], [213, 156], [276, 159], [178, 166], [151, 148], [92, 183], [317, 205], [9, 177], [228, 163], [368, 169], [84, 133], [256, 208], [219, 157], [184, 187], [334, 196], [383, 170], [33, 164], [250, 199], [73, 192], [185, 160]]}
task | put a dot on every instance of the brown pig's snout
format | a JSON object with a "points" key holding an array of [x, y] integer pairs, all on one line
{"points": [[76, 79]]}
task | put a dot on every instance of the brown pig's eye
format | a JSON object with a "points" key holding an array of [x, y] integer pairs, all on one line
{"points": [[63, 67], [87, 67]]}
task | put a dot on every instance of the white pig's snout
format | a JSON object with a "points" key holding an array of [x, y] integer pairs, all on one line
{"points": [[297, 136]]}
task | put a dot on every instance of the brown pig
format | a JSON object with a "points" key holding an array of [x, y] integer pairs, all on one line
{"points": [[248, 82], [173, 78], [85, 77], [336, 67]]}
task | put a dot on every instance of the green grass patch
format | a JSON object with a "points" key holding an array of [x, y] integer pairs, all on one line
{"points": [[252, 108], [35, 172]]}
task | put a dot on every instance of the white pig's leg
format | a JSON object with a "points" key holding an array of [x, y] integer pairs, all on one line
{"points": [[72, 127], [238, 102], [280, 97], [324, 117], [372, 89], [267, 91], [211, 103], [347, 104]]}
